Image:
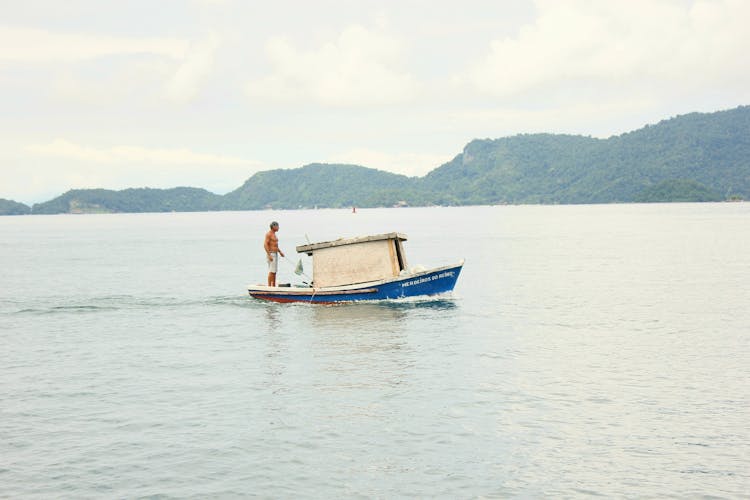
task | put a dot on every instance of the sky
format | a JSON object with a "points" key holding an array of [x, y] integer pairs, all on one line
{"points": [[205, 93]]}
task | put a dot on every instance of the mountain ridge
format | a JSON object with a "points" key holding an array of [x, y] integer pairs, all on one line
{"points": [[691, 157]]}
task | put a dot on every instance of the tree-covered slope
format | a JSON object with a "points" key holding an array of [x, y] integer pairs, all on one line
{"points": [[677, 190], [539, 168], [10, 207], [181, 199], [321, 185], [712, 150]]}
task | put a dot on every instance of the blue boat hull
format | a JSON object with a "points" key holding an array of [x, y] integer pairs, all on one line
{"points": [[432, 282]]}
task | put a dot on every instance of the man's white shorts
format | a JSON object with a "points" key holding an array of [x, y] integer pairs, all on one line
{"points": [[273, 264]]}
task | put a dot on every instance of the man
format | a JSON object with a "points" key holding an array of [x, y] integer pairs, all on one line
{"points": [[271, 244]]}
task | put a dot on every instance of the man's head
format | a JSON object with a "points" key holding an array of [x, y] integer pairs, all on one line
{"points": [[275, 226]]}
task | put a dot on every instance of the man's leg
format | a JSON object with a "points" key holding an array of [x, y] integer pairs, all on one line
{"points": [[272, 270]]}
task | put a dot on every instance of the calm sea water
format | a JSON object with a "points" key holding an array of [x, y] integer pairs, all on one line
{"points": [[586, 350]]}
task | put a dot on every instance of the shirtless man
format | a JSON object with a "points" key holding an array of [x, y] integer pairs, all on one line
{"points": [[271, 244]]}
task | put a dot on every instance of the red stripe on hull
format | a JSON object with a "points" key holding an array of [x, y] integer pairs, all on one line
{"points": [[282, 300]]}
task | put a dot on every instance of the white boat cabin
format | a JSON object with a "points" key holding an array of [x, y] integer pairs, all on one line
{"points": [[356, 260]]}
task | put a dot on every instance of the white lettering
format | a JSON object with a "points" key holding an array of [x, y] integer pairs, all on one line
{"points": [[427, 279]]}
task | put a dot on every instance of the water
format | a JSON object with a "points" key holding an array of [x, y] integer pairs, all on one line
{"points": [[586, 350]]}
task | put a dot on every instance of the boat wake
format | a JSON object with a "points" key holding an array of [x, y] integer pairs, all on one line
{"points": [[113, 303]]}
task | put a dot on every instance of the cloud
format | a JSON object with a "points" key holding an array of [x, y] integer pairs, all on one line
{"points": [[29, 45], [410, 164], [186, 82], [619, 41], [189, 66], [359, 67], [61, 164], [62, 148], [601, 118], [121, 84]]}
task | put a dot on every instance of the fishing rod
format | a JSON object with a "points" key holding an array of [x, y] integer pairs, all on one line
{"points": [[297, 268]]}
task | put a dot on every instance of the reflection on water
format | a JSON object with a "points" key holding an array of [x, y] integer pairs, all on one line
{"points": [[271, 311], [354, 316], [356, 329], [442, 302], [363, 345], [372, 314], [354, 345]]}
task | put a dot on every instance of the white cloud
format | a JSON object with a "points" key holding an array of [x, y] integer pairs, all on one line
{"points": [[360, 67], [618, 41], [61, 165], [410, 164], [62, 148], [195, 62], [599, 118], [29, 45], [194, 70]]}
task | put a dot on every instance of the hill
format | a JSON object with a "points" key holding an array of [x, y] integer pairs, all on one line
{"points": [[677, 190], [711, 151], [10, 207], [321, 185], [538, 168], [181, 199], [694, 157]]}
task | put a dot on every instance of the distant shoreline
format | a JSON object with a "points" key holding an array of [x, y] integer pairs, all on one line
{"points": [[348, 209]]}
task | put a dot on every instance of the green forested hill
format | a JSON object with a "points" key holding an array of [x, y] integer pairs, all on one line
{"points": [[711, 151], [677, 190], [539, 168], [10, 207], [181, 199], [321, 185], [694, 157]]}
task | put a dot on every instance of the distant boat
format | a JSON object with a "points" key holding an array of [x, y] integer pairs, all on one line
{"points": [[362, 268]]}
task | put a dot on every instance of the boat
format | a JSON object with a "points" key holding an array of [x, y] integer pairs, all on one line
{"points": [[362, 268]]}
